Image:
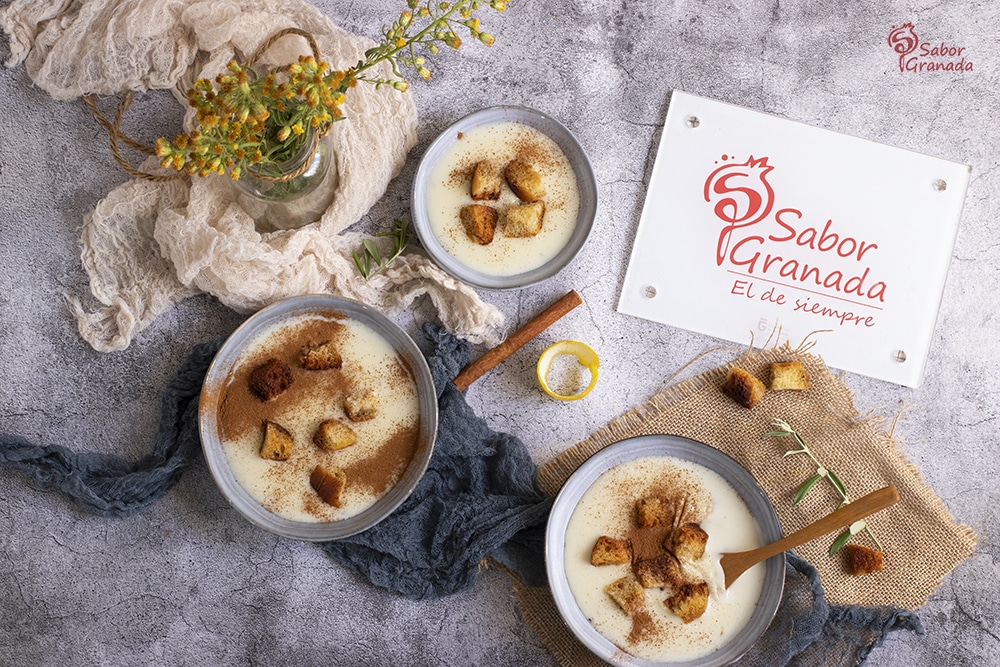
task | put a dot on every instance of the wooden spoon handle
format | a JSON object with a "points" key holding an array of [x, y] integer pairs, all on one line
{"points": [[845, 516]]}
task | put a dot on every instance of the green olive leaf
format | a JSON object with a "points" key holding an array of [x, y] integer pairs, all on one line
{"points": [[839, 543], [837, 483], [805, 488]]}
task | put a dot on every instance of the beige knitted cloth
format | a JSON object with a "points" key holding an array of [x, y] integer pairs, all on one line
{"points": [[922, 541], [147, 245]]}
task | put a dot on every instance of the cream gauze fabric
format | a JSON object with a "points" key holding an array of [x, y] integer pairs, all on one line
{"points": [[148, 245]]}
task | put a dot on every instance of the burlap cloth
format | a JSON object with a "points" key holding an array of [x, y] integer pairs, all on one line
{"points": [[922, 542]]}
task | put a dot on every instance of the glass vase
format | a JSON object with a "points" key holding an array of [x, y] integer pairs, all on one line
{"points": [[298, 193]]}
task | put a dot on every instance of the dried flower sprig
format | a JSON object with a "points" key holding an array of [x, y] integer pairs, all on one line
{"points": [[370, 261], [248, 121], [782, 429]]}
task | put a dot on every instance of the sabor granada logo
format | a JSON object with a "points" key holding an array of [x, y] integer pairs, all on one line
{"points": [[917, 56], [780, 257]]}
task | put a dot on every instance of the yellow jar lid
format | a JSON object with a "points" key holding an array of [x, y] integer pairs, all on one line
{"points": [[583, 354]]}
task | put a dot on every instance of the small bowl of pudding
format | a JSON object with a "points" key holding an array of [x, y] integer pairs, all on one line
{"points": [[504, 198], [317, 418], [632, 554]]}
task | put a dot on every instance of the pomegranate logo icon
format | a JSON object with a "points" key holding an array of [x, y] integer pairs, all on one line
{"points": [[740, 195], [903, 41]]}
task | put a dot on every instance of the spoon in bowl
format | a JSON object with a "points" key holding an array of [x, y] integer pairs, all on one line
{"points": [[735, 564]]}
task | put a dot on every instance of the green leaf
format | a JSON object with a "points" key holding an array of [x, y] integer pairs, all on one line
{"points": [[357, 262], [839, 543], [372, 249], [776, 434], [805, 488], [836, 482]]}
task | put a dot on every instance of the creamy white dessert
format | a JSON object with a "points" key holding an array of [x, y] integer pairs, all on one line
{"points": [[385, 443], [608, 508], [449, 189]]}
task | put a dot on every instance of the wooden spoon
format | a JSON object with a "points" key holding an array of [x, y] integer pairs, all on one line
{"points": [[735, 564]]}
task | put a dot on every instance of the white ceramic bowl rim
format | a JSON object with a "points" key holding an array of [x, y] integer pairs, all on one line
{"points": [[586, 184], [689, 450], [213, 389]]}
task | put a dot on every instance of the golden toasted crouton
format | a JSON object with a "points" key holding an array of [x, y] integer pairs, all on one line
{"points": [[687, 542], [480, 222], [524, 220], [270, 379], [361, 406], [486, 181], [653, 511], [658, 572], [743, 387], [524, 181], [863, 560], [329, 483], [333, 435], [277, 444], [321, 357], [689, 601], [611, 551], [627, 593], [789, 375]]}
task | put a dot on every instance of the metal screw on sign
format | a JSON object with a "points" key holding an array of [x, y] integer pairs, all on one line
{"points": [[899, 356], [649, 291], [940, 185], [693, 121]]}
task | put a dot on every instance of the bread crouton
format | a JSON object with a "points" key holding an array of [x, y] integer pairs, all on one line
{"points": [[689, 601], [480, 222], [525, 220], [743, 387], [270, 379], [329, 483], [361, 406], [486, 181], [789, 375], [321, 357], [688, 542], [653, 511], [277, 445], [658, 572], [524, 181], [627, 593], [863, 560], [611, 551], [333, 435]]}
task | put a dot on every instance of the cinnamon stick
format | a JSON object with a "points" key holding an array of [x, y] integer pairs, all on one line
{"points": [[516, 341]]}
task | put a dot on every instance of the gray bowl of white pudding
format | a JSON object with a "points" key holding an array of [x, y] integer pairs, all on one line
{"points": [[500, 134], [394, 440], [599, 499]]}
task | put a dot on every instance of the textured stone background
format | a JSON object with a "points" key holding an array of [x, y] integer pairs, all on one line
{"points": [[190, 582]]}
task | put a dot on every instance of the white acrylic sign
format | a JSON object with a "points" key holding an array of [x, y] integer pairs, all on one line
{"points": [[752, 220]]}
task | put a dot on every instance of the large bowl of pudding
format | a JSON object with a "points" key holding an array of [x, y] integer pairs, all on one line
{"points": [[632, 554], [504, 198], [317, 417]]}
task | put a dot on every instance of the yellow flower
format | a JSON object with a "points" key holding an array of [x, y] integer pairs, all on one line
{"points": [[162, 147]]}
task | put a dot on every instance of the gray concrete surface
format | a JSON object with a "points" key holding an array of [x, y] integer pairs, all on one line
{"points": [[189, 582]]}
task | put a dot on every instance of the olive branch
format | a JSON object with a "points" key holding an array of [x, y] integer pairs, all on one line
{"points": [[370, 261], [782, 429]]}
